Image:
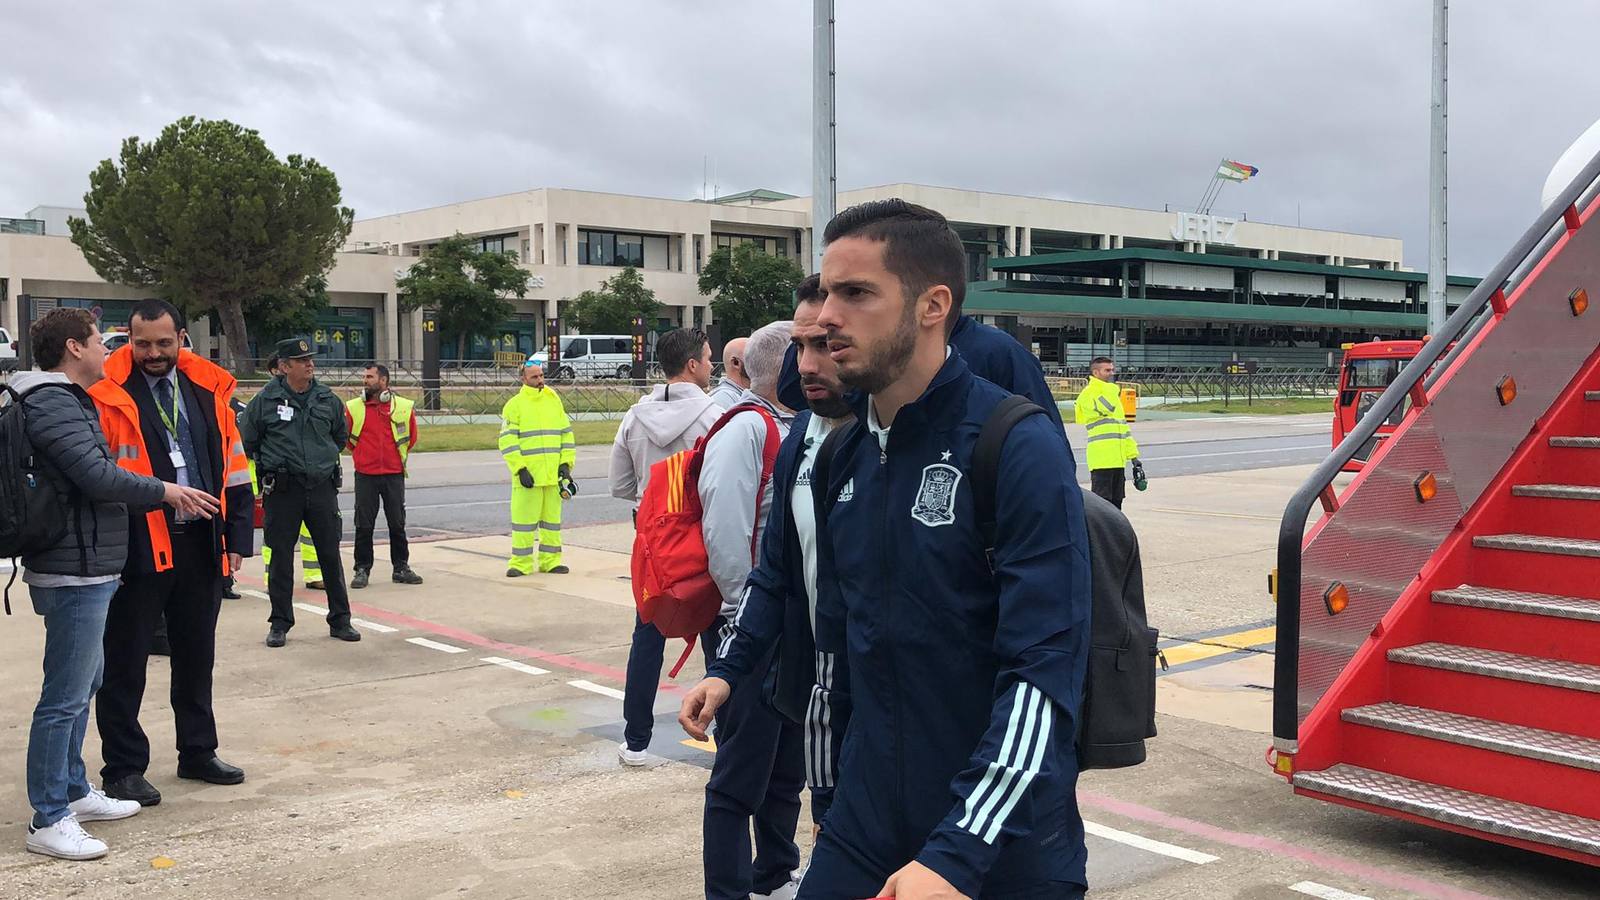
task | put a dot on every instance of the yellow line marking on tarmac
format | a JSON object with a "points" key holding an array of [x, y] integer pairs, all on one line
{"points": [[1207, 512], [709, 745], [1220, 645]]}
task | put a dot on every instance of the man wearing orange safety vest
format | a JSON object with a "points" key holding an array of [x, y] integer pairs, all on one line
{"points": [[166, 412]]}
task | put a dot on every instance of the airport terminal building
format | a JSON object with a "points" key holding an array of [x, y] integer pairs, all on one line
{"points": [[1071, 279]]}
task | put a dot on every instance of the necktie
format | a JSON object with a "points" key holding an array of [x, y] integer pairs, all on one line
{"points": [[193, 476]]}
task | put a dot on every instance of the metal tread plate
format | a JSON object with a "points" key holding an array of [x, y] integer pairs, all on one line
{"points": [[1499, 664], [1582, 442], [1538, 543], [1554, 605], [1485, 734], [1557, 491], [1456, 807]]}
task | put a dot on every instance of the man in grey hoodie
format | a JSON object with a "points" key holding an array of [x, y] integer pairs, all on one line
{"points": [[669, 420], [71, 583]]}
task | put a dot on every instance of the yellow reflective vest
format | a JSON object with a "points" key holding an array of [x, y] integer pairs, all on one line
{"points": [[399, 421], [535, 434], [1099, 409]]}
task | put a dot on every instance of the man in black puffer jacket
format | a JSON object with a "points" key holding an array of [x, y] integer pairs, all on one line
{"points": [[71, 584]]}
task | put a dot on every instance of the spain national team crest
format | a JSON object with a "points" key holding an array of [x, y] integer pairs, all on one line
{"points": [[936, 498]]}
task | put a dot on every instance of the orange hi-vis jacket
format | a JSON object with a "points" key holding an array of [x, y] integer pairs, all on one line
{"points": [[119, 419]]}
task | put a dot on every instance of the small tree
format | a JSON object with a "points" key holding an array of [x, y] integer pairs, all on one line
{"points": [[470, 288], [751, 288], [207, 214], [614, 306]]}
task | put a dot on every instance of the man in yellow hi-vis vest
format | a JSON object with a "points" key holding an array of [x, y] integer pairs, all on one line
{"points": [[1110, 445], [537, 443], [379, 450]]}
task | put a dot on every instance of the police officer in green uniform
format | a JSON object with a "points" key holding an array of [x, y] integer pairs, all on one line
{"points": [[294, 430]]}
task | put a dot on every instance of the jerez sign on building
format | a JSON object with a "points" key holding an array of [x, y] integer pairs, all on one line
{"points": [[1206, 229]]}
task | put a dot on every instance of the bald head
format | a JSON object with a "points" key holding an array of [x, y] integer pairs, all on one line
{"points": [[733, 362]]}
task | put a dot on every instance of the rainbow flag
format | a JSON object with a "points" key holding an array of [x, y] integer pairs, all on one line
{"points": [[1236, 171]]}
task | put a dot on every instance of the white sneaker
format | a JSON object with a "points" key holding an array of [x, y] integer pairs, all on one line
{"points": [[95, 806], [787, 892], [632, 757], [65, 839]]}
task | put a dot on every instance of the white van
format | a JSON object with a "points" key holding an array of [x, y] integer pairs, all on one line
{"points": [[591, 356], [8, 351]]}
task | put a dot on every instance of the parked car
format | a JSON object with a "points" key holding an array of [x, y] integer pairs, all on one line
{"points": [[10, 349], [115, 339], [591, 356]]}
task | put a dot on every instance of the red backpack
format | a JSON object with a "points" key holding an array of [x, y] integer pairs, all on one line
{"points": [[672, 584]]}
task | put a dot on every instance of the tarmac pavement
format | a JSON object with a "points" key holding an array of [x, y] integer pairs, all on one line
{"points": [[466, 747]]}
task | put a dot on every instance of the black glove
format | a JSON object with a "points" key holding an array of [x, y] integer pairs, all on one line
{"points": [[1140, 482], [565, 470], [525, 478], [564, 482]]}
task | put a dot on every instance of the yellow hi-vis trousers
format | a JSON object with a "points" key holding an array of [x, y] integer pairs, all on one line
{"points": [[535, 523], [310, 569]]}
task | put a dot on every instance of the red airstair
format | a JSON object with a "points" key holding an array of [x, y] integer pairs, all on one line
{"points": [[1438, 643]]}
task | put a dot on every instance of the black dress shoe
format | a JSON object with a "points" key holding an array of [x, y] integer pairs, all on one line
{"points": [[135, 788], [344, 633], [228, 593], [404, 575], [277, 637], [359, 581], [212, 771]]}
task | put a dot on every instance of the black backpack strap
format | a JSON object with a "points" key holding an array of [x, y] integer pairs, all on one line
{"points": [[986, 461]]}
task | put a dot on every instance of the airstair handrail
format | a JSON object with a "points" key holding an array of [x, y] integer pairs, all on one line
{"points": [[1447, 346]]}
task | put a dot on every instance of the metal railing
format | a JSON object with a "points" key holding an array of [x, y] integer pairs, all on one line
{"points": [[1178, 383], [1437, 358]]}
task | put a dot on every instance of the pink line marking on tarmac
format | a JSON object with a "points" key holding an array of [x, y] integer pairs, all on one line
{"points": [[478, 640], [1326, 861]]}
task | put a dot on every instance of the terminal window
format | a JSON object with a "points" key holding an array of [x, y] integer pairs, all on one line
{"points": [[610, 248]]}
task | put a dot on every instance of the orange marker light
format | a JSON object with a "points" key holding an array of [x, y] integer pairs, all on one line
{"points": [[1426, 486], [1579, 301], [1506, 390], [1336, 598]]}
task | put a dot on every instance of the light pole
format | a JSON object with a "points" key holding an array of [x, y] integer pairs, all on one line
{"points": [[1438, 204], [824, 171]]}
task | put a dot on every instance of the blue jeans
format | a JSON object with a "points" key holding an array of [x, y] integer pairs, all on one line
{"points": [[74, 661]]}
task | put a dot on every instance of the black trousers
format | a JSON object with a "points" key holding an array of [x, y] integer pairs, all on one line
{"points": [[391, 490], [189, 595], [1111, 484], [291, 502], [756, 779]]}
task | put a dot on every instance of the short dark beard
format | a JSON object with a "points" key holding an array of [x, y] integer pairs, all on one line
{"points": [[832, 406], [889, 360], [169, 363], [374, 393]]}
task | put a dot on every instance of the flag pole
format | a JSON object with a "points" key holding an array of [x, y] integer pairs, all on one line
{"points": [[1438, 172]]}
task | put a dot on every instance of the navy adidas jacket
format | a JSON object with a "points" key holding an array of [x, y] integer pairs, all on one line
{"points": [[966, 684], [802, 684], [989, 352]]}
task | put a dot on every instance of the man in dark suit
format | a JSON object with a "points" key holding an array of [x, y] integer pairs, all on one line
{"points": [[166, 412]]}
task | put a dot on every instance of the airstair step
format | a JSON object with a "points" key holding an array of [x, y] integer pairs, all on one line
{"points": [[1554, 605], [1589, 443], [1499, 664], [1485, 734], [1464, 809], [1558, 491], [1536, 543]]}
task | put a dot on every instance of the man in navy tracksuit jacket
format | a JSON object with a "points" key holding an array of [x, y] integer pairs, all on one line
{"points": [[958, 768]]}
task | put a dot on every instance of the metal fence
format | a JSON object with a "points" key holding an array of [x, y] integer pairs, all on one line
{"points": [[1178, 383]]}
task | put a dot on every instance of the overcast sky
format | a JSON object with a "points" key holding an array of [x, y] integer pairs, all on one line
{"points": [[1132, 102]]}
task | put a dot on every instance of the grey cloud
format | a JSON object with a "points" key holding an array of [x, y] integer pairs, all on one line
{"points": [[1129, 103]]}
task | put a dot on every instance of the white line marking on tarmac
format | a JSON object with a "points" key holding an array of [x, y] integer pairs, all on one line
{"points": [[435, 645], [515, 666], [1144, 843], [1241, 452], [600, 689], [319, 610], [1313, 889], [259, 595], [374, 626]]}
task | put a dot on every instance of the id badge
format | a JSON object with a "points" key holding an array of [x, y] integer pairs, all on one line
{"points": [[286, 414], [177, 459]]}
